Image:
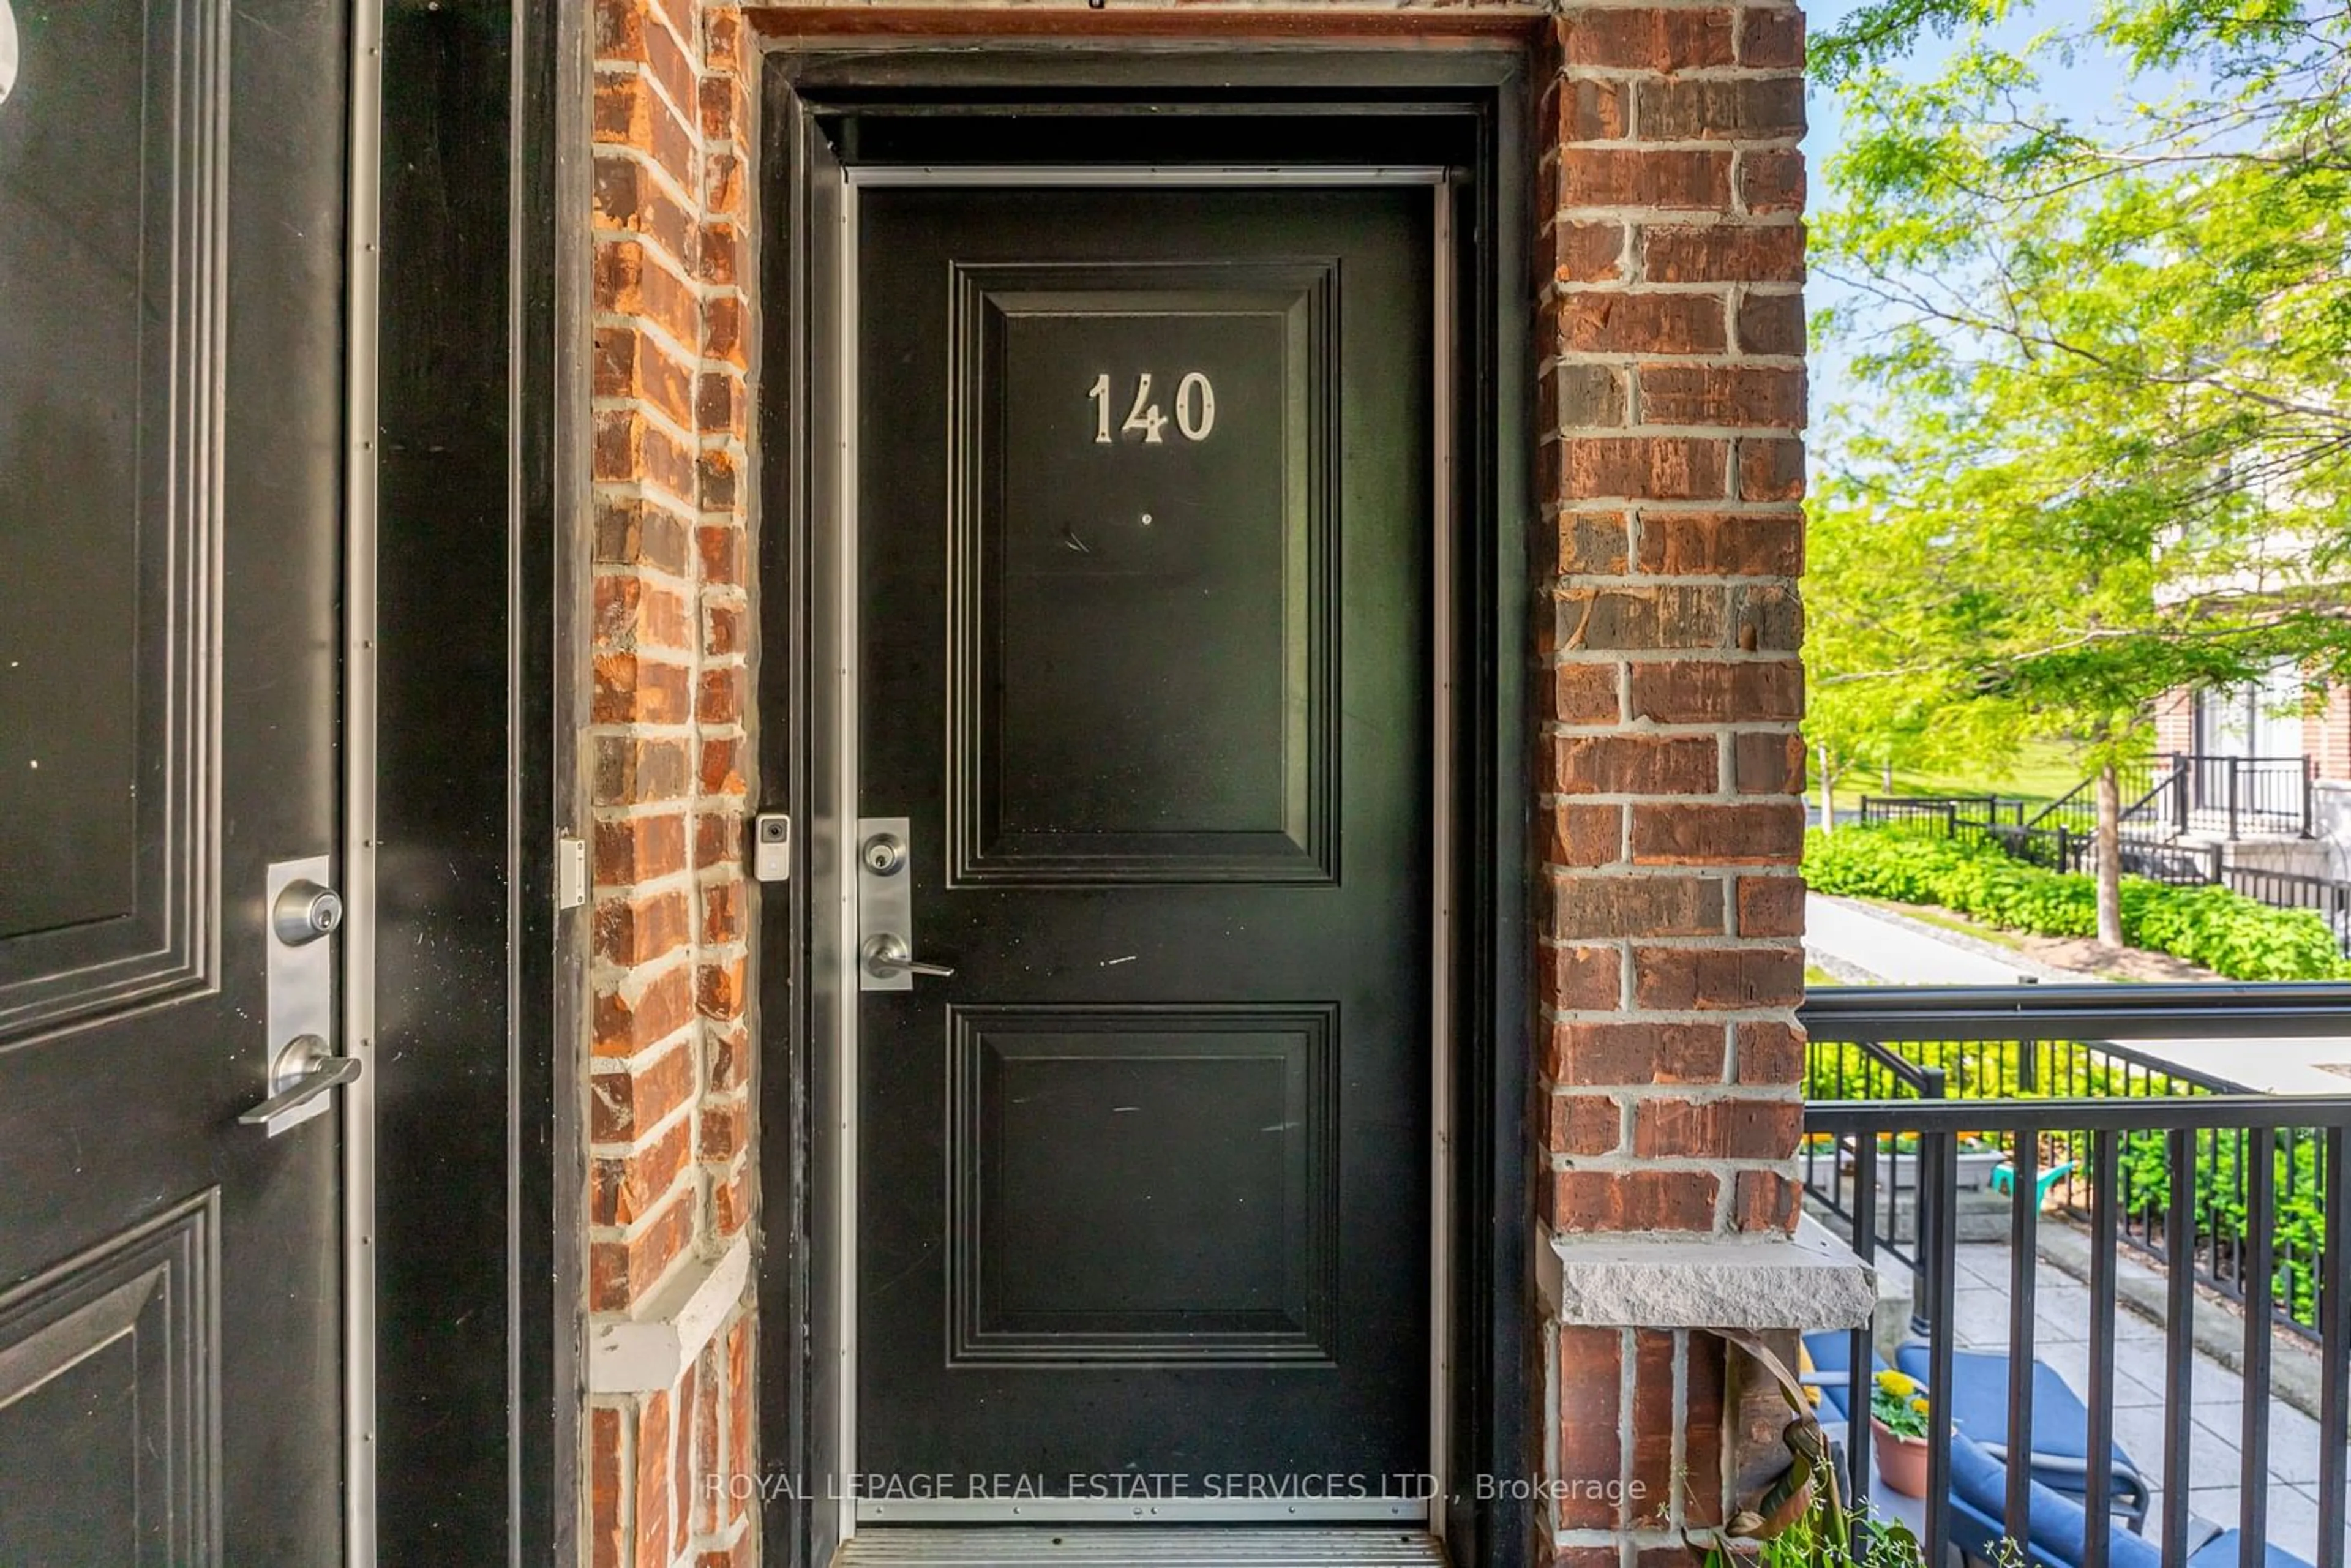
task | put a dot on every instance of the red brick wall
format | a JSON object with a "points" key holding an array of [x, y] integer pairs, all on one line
{"points": [[1665, 782], [2175, 722], [1668, 768], [671, 1160]]}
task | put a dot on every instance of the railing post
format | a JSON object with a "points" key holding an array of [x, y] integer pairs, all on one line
{"points": [[2309, 793], [2179, 765], [2233, 798], [1931, 1221]]}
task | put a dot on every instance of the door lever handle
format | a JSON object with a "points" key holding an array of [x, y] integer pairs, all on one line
{"points": [[304, 1075], [886, 954]]}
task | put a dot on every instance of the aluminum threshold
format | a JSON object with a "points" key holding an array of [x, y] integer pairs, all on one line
{"points": [[1195, 1546]]}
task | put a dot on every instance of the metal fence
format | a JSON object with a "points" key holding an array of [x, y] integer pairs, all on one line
{"points": [[2138, 1152]]}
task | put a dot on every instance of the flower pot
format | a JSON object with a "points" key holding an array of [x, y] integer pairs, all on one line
{"points": [[1901, 1461]]}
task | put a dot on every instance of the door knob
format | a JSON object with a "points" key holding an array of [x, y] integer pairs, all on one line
{"points": [[886, 954], [302, 1078]]}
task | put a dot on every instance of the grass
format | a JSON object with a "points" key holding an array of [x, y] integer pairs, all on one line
{"points": [[2041, 772], [1816, 976]]}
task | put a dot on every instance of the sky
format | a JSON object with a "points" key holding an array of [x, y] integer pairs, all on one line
{"points": [[2092, 83]]}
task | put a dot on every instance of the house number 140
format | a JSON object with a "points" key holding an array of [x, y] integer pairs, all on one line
{"points": [[1195, 410]]}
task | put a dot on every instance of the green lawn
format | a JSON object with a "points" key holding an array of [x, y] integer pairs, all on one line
{"points": [[2043, 771]]}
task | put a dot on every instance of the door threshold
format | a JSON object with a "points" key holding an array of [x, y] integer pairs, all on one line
{"points": [[1121, 1546]]}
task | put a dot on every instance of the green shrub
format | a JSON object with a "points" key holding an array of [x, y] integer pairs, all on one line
{"points": [[2222, 931]]}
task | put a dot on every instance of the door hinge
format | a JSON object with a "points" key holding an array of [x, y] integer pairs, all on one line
{"points": [[570, 872]]}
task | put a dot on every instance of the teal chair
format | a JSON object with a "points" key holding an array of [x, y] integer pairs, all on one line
{"points": [[2003, 1178]]}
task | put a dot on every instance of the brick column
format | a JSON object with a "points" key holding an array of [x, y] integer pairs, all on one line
{"points": [[670, 1172], [1668, 768]]}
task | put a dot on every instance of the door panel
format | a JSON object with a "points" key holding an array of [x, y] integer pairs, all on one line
{"points": [[171, 433], [1147, 663]]}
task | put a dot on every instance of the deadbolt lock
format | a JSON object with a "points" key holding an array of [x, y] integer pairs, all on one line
{"points": [[306, 911], [886, 855]]}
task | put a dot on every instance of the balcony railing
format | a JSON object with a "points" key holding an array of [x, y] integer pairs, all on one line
{"points": [[2133, 1154]]}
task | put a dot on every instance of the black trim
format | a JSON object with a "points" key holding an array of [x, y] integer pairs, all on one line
{"points": [[1160, 103], [2237, 1009], [478, 1222]]}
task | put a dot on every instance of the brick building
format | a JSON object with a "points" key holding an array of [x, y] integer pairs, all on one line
{"points": [[1261, 539]]}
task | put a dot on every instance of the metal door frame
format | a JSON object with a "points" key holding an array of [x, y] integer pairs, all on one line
{"points": [[809, 740], [846, 743]]}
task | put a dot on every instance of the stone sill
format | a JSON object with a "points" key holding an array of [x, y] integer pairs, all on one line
{"points": [[639, 1354], [1809, 1280]]}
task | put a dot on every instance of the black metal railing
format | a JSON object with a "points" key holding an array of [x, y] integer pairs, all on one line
{"points": [[2181, 1164], [2238, 796]]}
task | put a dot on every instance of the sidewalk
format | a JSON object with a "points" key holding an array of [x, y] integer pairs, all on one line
{"points": [[1862, 945]]}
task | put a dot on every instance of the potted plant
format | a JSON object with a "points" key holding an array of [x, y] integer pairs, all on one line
{"points": [[1898, 1430]]}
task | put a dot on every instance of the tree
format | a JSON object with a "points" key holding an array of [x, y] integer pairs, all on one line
{"points": [[2108, 426]]}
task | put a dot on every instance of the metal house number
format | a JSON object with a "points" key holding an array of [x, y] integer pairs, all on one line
{"points": [[1195, 409]]}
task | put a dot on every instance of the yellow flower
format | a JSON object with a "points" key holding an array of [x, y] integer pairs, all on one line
{"points": [[1920, 1404], [1894, 1382]]}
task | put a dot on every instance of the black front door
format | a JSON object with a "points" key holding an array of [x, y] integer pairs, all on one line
{"points": [[1145, 548], [171, 259]]}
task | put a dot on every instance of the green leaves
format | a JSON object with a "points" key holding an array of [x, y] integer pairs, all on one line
{"points": [[2212, 926], [2101, 443]]}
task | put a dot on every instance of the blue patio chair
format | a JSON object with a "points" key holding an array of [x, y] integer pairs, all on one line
{"points": [[2003, 1178], [2056, 1527], [1977, 1404], [1832, 1373]]}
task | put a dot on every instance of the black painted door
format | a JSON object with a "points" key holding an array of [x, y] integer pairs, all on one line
{"points": [[171, 223], [1145, 577]]}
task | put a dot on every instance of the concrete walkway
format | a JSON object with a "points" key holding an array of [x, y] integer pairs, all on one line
{"points": [[1861, 944]]}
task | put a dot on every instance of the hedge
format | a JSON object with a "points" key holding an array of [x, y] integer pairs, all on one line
{"points": [[2208, 925]]}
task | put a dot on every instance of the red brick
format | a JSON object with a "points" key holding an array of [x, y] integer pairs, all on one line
{"points": [[1713, 691], [630, 771], [1768, 764], [1773, 37], [1660, 40], [719, 988], [630, 278], [725, 630], [607, 1491], [1579, 694], [627, 363], [1698, 834], [1722, 395], [1654, 467], [722, 765], [624, 1027], [1586, 906], [719, 699], [628, 112], [623, 1188], [1584, 1125], [633, 531], [631, 931], [1580, 1202], [1649, 1498], [654, 1549], [1766, 617], [621, 1273], [1591, 1400], [639, 849], [1772, 181], [742, 1402], [623, 1106], [1703, 1381], [1642, 324], [632, 613], [725, 1130], [721, 549], [1677, 180], [1770, 1053], [1771, 470], [1632, 765], [1586, 252], [1584, 835], [1716, 1129], [1725, 253], [1681, 978], [1594, 111], [1723, 108], [1579, 980], [723, 911], [1771, 324], [1636, 1053], [1766, 1200], [1722, 544], [1581, 397], [1604, 620], [1770, 906], [631, 448], [628, 689]]}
